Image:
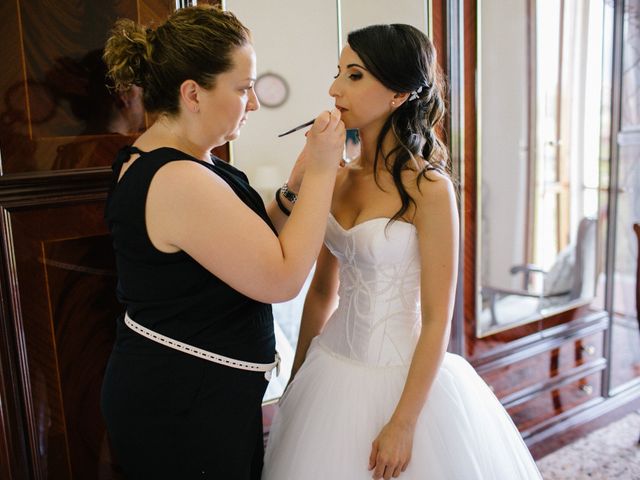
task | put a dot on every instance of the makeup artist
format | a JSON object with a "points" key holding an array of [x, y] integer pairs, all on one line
{"points": [[199, 256]]}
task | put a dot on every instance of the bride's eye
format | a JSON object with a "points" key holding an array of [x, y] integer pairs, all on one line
{"points": [[355, 76]]}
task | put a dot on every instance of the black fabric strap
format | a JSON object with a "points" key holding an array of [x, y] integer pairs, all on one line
{"points": [[281, 206]]}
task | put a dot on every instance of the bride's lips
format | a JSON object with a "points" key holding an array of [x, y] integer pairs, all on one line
{"points": [[342, 109]]}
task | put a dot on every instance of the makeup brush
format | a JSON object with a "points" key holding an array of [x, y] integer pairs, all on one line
{"points": [[306, 124]]}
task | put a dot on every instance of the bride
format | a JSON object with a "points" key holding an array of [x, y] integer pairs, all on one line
{"points": [[374, 393]]}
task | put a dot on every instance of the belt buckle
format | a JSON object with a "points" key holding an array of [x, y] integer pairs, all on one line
{"points": [[278, 361], [269, 373]]}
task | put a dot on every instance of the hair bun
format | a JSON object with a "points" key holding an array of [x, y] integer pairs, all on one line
{"points": [[127, 54]]}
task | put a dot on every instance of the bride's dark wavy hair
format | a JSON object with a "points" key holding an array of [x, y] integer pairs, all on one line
{"points": [[403, 59]]}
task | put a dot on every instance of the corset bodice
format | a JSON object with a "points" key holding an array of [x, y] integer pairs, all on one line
{"points": [[377, 320]]}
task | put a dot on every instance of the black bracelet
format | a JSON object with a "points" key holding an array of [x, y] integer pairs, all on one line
{"points": [[281, 206], [288, 194]]}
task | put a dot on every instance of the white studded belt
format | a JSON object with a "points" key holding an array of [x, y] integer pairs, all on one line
{"points": [[267, 368]]}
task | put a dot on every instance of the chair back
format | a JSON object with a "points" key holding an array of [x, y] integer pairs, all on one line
{"points": [[584, 275]]}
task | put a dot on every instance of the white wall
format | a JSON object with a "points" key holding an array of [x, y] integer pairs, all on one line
{"points": [[360, 13], [299, 41]]}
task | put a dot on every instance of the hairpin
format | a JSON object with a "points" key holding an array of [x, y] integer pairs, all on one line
{"points": [[415, 93]]}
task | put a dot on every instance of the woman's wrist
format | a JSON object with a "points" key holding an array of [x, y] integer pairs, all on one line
{"points": [[288, 193], [294, 184], [404, 421], [280, 201]]}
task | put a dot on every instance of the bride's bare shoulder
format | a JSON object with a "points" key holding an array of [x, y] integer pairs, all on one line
{"points": [[432, 191], [426, 182]]}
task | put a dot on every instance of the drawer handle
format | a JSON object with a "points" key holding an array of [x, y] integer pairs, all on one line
{"points": [[586, 389], [588, 349]]}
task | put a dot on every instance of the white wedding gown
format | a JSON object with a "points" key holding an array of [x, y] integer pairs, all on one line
{"points": [[355, 371]]}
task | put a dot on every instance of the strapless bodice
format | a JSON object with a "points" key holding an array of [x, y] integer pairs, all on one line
{"points": [[377, 321]]}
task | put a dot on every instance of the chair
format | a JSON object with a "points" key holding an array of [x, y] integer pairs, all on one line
{"points": [[571, 277]]}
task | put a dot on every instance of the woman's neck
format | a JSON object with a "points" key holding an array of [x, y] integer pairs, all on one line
{"points": [[178, 134], [368, 147]]}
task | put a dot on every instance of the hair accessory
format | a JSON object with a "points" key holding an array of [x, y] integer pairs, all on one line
{"points": [[415, 93]]}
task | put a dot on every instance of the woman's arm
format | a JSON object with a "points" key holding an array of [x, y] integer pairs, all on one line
{"points": [[190, 208], [321, 301], [277, 216], [436, 222]]}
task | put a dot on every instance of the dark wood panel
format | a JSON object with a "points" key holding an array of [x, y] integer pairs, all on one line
{"points": [[154, 12], [548, 404], [14, 131], [57, 289], [469, 212], [13, 461], [514, 349], [62, 314], [539, 369], [519, 337], [58, 112], [578, 423], [81, 282], [62, 51], [439, 27]]}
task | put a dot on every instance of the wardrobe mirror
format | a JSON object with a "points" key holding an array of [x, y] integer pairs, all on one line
{"points": [[300, 41], [541, 87]]}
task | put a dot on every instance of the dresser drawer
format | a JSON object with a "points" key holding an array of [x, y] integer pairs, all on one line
{"points": [[553, 402], [507, 380], [576, 353]]}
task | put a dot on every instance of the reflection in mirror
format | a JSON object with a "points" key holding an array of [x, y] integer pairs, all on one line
{"points": [[299, 41], [540, 125]]}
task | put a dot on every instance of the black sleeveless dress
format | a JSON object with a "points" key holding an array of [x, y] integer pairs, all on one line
{"points": [[169, 414]]}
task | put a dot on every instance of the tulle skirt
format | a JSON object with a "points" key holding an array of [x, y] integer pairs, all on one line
{"points": [[334, 409]]}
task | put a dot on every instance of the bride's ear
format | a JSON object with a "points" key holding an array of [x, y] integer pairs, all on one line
{"points": [[399, 99]]}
